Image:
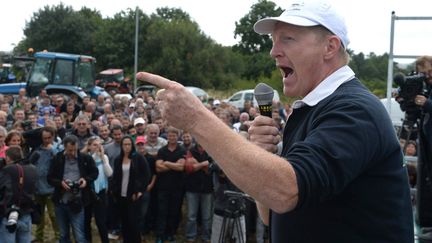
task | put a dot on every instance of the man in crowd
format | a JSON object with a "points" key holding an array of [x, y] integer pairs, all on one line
{"points": [[244, 117], [424, 66], [82, 130], [199, 192], [154, 141], [112, 150], [71, 174], [170, 183], [44, 154], [139, 124], [307, 194]]}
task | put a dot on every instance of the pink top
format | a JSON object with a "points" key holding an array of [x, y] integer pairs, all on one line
{"points": [[3, 151]]}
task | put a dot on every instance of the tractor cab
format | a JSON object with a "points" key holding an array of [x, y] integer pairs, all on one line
{"points": [[113, 81], [63, 73], [6, 74]]}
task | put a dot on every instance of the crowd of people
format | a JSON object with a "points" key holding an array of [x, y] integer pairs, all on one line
{"points": [[117, 160]]}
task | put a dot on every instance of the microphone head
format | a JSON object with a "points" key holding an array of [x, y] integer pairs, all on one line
{"points": [[263, 94]]}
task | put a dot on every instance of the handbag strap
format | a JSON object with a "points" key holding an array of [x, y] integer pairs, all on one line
{"points": [[20, 182]]}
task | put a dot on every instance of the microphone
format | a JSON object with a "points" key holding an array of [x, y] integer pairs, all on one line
{"points": [[264, 96]]}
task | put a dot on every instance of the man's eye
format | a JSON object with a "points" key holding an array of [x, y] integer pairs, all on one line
{"points": [[287, 38]]}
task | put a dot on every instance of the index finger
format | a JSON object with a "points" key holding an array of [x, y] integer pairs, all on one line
{"points": [[157, 80]]}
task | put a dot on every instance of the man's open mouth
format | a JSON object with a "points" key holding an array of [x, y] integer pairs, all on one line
{"points": [[286, 71]]}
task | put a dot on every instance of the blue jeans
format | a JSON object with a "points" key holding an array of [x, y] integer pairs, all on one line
{"points": [[65, 218], [195, 201], [22, 233], [145, 202]]}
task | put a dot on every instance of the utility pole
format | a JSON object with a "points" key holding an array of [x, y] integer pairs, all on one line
{"points": [[136, 47]]}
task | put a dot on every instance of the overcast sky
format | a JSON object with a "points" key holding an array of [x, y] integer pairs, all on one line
{"points": [[368, 20]]}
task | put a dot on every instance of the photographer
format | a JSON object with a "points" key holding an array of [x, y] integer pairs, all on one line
{"points": [[71, 173], [424, 66], [16, 219]]}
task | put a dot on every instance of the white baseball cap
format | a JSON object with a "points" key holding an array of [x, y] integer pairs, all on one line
{"points": [[308, 13], [139, 120]]}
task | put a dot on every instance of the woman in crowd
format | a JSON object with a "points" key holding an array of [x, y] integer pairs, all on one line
{"points": [[100, 185], [129, 182], [70, 114], [14, 138], [3, 146], [411, 149]]}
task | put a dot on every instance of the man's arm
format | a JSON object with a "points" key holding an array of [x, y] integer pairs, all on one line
{"points": [[177, 166], [200, 165], [160, 166], [268, 178]]}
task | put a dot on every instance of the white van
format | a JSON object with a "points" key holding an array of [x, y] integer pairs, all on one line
{"points": [[238, 99], [396, 114]]}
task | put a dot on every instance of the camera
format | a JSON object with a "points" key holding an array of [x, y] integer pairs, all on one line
{"points": [[409, 87], [236, 203], [12, 218], [74, 187]]}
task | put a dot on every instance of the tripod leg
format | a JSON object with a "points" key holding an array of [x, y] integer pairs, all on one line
{"points": [[238, 230], [222, 230]]}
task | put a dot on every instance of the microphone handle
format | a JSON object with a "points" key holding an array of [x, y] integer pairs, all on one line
{"points": [[266, 110]]}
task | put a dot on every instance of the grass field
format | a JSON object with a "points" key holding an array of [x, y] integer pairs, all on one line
{"points": [[49, 234]]}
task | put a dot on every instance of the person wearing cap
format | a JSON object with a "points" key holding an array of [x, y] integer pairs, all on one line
{"points": [[340, 175], [139, 124], [151, 161], [130, 111]]}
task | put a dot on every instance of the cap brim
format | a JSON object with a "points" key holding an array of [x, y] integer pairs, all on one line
{"points": [[266, 25]]}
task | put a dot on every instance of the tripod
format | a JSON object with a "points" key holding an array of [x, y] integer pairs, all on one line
{"points": [[231, 229]]}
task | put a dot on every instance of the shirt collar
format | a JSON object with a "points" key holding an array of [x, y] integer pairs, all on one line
{"points": [[75, 157], [326, 87]]}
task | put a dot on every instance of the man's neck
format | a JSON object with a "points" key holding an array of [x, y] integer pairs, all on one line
{"points": [[82, 133], [172, 146]]}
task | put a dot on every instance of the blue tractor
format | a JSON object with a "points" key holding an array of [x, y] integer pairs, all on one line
{"points": [[59, 73], [6, 74], [63, 73]]}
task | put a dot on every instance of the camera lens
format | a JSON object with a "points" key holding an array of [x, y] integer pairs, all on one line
{"points": [[11, 224]]}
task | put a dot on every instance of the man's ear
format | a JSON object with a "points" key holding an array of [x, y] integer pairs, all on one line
{"points": [[333, 46]]}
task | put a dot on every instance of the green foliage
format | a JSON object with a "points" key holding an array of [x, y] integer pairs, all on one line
{"points": [[61, 29], [251, 42], [253, 46]]}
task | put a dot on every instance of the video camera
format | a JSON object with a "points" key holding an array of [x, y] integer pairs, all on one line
{"points": [[409, 87]]}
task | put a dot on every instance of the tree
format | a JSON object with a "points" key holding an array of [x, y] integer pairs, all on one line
{"points": [[251, 42], [61, 29], [253, 46], [175, 47], [115, 40]]}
